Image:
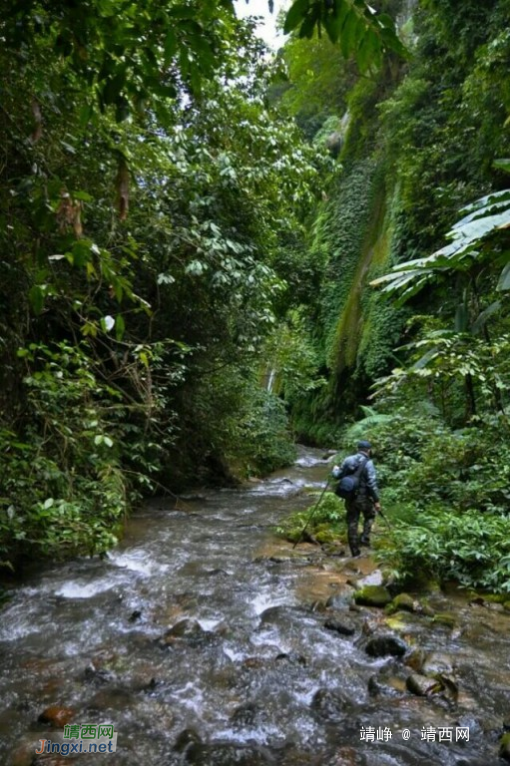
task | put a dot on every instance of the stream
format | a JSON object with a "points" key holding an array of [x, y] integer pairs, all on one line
{"points": [[202, 638]]}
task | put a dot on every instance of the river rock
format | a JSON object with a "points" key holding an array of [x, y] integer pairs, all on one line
{"points": [[403, 602], [422, 686], [97, 675], [343, 627], [185, 630], [340, 600], [293, 657], [445, 618], [390, 686], [254, 663], [248, 715], [186, 738], [278, 614], [373, 595], [386, 644], [437, 663], [332, 704], [504, 747], [57, 716]]}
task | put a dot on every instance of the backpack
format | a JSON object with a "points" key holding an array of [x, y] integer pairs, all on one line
{"points": [[349, 485]]}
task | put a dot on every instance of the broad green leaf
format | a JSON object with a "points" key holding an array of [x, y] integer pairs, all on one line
{"points": [[294, 15], [120, 326], [504, 279], [502, 164], [36, 297], [484, 316]]}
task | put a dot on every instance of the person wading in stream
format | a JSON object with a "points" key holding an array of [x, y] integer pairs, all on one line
{"points": [[364, 500]]}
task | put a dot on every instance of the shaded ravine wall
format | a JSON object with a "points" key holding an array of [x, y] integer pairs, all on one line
{"points": [[356, 329]]}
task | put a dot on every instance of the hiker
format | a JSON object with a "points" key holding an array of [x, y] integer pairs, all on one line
{"points": [[365, 497]]}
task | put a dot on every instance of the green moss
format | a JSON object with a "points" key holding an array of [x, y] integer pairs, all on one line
{"points": [[403, 602], [504, 746], [445, 618], [372, 595]]}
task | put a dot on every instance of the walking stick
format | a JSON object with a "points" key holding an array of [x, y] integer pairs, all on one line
{"points": [[385, 519], [311, 514]]}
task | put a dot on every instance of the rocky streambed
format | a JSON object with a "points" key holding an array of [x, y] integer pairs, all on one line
{"points": [[205, 640]]}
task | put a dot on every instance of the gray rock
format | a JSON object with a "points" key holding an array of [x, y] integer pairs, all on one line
{"points": [[437, 662], [186, 738], [279, 614], [379, 686], [248, 715], [294, 658], [343, 627], [386, 644], [186, 630], [332, 704], [422, 686], [340, 600]]}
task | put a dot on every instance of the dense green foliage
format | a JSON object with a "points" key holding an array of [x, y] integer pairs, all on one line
{"points": [[150, 203], [412, 315], [197, 242]]}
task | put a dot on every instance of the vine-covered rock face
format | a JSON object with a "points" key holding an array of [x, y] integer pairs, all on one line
{"points": [[373, 595]]}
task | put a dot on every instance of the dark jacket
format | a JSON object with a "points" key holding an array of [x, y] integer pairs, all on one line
{"points": [[368, 478]]}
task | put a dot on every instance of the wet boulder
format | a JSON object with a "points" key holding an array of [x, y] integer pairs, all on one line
{"points": [[186, 738], [57, 716], [279, 615], [185, 630], [94, 674], [343, 627], [403, 602], [415, 659], [386, 686], [437, 663], [423, 686], [384, 645], [340, 600], [504, 747], [332, 704], [254, 663], [249, 715], [373, 595], [446, 619], [294, 658]]}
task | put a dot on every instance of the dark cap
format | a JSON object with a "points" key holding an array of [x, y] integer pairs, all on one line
{"points": [[364, 445]]}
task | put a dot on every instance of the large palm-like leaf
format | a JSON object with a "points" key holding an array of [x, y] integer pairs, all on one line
{"points": [[469, 238]]}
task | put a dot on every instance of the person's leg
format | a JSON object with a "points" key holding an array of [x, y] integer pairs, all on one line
{"points": [[353, 512], [368, 511]]}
